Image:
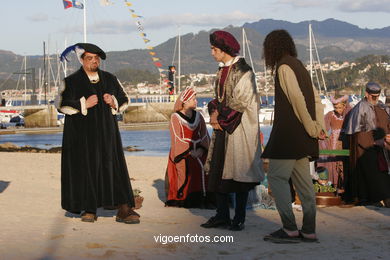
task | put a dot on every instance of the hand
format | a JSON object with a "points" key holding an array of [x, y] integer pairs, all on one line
{"points": [[91, 101], [214, 121], [387, 139], [109, 100], [387, 142], [322, 135]]}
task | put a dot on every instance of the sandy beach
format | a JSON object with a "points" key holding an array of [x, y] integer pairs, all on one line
{"points": [[33, 225]]}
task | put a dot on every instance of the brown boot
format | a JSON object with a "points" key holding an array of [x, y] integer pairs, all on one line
{"points": [[88, 217], [127, 215]]}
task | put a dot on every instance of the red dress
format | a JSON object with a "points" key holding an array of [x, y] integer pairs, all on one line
{"points": [[185, 179], [334, 164]]}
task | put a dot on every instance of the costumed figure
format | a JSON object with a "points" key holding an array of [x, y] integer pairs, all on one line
{"points": [[185, 179], [293, 142], [93, 167], [233, 162], [368, 125], [333, 123]]}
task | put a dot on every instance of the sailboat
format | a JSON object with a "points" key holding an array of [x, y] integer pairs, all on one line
{"points": [[315, 78], [266, 112]]}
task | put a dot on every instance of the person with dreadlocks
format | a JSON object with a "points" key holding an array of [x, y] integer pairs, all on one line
{"points": [[298, 124]]}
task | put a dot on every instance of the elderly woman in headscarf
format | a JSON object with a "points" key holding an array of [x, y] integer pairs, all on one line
{"points": [[333, 123], [185, 180]]}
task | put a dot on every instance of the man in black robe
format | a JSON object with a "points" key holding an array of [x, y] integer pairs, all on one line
{"points": [[93, 167], [368, 126]]}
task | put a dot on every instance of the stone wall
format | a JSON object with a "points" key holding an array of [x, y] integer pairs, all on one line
{"points": [[40, 117], [148, 112]]}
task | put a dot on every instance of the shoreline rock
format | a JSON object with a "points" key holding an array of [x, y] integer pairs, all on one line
{"points": [[11, 147]]}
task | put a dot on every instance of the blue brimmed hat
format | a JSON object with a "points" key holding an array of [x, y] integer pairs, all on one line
{"points": [[80, 48]]}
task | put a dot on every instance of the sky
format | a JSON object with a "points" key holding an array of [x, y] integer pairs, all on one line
{"points": [[25, 24]]}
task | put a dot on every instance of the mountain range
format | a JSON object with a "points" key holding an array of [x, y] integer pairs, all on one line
{"points": [[336, 40]]}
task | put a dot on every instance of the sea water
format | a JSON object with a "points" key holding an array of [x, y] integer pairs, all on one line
{"points": [[152, 142]]}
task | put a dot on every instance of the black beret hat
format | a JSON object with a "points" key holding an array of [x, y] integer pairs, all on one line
{"points": [[373, 88]]}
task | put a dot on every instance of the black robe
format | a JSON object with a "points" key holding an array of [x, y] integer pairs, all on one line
{"points": [[93, 166], [365, 179]]}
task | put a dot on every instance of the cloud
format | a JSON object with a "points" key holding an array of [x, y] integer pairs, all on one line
{"points": [[202, 20], [111, 27], [302, 3], [365, 6], [38, 17]]}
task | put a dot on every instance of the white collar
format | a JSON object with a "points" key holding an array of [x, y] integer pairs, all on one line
{"points": [[230, 62], [93, 78]]}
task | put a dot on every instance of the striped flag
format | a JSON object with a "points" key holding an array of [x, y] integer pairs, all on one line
{"points": [[73, 3]]}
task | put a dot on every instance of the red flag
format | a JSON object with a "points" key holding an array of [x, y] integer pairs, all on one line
{"points": [[67, 4]]}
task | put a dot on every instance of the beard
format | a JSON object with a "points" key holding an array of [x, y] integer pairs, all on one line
{"points": [[93, 68]]}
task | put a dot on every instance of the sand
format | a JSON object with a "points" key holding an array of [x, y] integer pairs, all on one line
{"points": [[33, 225]]}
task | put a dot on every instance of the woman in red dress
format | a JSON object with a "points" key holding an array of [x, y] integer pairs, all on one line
{"points": [[185, 180]]}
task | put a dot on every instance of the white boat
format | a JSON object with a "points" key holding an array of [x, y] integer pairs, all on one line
{"points": [[6, 115], [266, 115]]}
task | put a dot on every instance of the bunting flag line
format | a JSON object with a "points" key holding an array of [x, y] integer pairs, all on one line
{"points": [[140, 28], [106, 2]]}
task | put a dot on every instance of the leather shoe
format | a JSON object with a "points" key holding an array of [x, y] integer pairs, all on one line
{"points": [[127, 215], [214, 222], [238, 226], [88, 217]]}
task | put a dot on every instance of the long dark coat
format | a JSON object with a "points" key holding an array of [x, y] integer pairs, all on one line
{"points": [[93, 166]]}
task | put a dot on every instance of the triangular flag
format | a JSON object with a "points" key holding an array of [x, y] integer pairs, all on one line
{"points": [[152, 53], [155, 59], [158, 64], [67, 4], [105, 2], [150, 48], [146, 40], [143, 34], [128, 4]]}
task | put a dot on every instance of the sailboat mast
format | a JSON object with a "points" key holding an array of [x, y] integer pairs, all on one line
{"points": [[311, 54], [25, 80], [85, 20], [44, 71], [243, 41], [245, 45], [179, 64]]}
